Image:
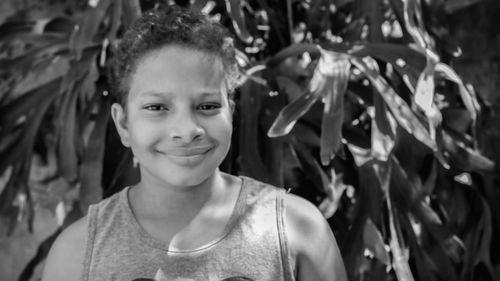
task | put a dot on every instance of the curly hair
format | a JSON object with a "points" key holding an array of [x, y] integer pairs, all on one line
{"points": [[170, 25]]}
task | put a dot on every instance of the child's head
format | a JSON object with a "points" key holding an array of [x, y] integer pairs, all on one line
{"points": [[173, 71], [170, 26]]}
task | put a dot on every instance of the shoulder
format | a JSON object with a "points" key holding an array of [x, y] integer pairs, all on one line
{"points": [[311, 241], [305, 225], [65, 259]]}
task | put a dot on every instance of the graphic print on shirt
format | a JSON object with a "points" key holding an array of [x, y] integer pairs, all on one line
{"points": [[160, 276]]}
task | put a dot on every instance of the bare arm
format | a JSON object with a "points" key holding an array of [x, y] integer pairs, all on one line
{"points": [[65, 259], [316, 252]]}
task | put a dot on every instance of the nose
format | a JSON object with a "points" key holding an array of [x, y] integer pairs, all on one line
{"points": [[186, 129]]}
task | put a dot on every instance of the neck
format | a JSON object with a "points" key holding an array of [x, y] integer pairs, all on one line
{"points": [[171, 200]]}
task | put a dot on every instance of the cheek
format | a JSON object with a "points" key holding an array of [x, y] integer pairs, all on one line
{"points": [[221, 129], [143, 134]]}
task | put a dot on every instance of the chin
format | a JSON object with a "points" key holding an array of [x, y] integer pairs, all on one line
{"points": [[179, 178], [188, 181]]}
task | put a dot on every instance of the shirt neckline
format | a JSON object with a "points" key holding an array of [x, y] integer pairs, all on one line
{"points": [[145, 237]]}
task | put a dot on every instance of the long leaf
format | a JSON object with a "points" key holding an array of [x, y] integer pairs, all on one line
{"points": [[293, 50], [235, 10], [334, 189], [372, 11], [399, 108], [24, 63], [307, 162], [66, 150], [424, 94], [92, 162], [333, 115], [293, 111], [388, 52], [374, 242], [131, 12], [320, 84], [400, 254], [468, 97], [87, 29], [367, 205], [19, 157], [198, 5], [383, 131], [409, 198], [7, 198], [414, 24], [49, 92], [116, 17], [405, 59], [251, 160], [465, 158], [455, 5], [10, 138]]}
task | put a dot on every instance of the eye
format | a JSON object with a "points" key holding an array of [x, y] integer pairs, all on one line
{"points": [[155, 107], [209, 106]]}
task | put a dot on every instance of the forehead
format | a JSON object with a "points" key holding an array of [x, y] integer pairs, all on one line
{"points": [[177, 69]]}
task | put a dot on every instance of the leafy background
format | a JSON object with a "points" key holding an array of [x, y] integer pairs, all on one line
{"points": [[355, 105]]}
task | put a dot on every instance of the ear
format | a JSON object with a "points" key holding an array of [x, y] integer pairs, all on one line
{"points": [[119, 116]]}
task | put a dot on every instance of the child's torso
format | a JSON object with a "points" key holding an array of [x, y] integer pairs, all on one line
{"points": [[252, 245]]}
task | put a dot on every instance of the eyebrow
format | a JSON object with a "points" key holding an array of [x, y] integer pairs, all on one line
{"points": [[204, 93], [211, 93]]}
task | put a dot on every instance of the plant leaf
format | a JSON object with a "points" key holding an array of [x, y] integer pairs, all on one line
{"points": [[25, 62], [455, 5], [85, 31], [334, 189], [388, 52], [464, 158], [66, 149], [131, 12], [338, 67], [375, 242], [251, 162], [415, 25], [424, 94], [293, 111], [92, 162], [383, 131], [292, 51], [307, 162], [400, 254], [12, 113], [399, 108], [468, 97], [235, 10], [289, 86], [48, 92], [116, 16], [318, 86], [198, 5]]}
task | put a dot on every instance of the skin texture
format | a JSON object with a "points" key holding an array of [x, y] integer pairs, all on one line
{"points": [[177, 120], [178, 123]]}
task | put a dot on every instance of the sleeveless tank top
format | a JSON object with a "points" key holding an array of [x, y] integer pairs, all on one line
{"points": [[252, 246]]}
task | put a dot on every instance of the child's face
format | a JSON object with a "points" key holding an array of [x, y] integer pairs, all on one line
{"points": [[177, 119]]}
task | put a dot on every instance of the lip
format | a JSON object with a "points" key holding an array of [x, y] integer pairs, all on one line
{"points": [[190, 156], [187, 152]]}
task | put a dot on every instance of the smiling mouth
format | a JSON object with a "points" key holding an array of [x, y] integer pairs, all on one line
{"points": [[187, 156], [188, 152]]}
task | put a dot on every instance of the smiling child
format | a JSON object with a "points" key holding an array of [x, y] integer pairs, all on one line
{"points": [[185, 220]]}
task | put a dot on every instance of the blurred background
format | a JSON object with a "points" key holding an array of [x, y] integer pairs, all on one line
{"points": [[383, 113]]}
